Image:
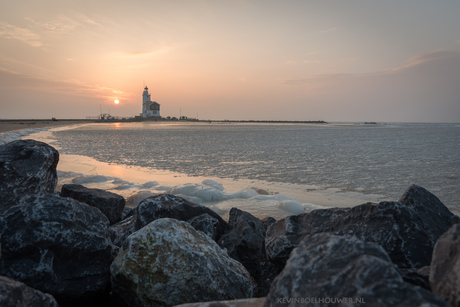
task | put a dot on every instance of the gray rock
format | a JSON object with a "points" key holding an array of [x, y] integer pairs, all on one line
{"points": [[14, 294], [268, 221], [245, 302], [58, 246], [161, 206], [205, 223], [265, 276], [27, 168], [416, 278], [436, 216], [168, 262], [397, 228], [127, 212], [244, 240], [110, 204], [120, 231], [445, 266], [325, 268]]}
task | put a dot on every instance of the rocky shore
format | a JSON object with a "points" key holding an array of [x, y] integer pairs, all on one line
{"points": [[82, 246]]}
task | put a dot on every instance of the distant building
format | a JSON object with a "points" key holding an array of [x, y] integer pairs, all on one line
{"points": [[149, 108]]}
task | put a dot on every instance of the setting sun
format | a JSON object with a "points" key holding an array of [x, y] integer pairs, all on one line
{"points": [[117, 102]]}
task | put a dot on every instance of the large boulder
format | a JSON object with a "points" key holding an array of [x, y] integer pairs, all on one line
{"points": [[59, 246], [14, 293], [168, 262], [110, 204], [329, 270], [435, 215], [205, 223], [162, 206], [27, 167], [397, 228], [445, 266], [244, 240]]}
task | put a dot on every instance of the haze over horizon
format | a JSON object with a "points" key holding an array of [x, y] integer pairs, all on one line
{"points": [[383, 61]]}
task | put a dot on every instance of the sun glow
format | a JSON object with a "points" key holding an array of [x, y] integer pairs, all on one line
{"points": [[117, 102]]}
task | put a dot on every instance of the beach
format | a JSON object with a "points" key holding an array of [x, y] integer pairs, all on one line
{"points": [[14, 125]]}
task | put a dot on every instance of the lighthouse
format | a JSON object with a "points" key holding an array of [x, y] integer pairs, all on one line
{"points": [[149, 108]]}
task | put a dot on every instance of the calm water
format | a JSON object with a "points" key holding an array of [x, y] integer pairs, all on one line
{"points": [[383, 159]]}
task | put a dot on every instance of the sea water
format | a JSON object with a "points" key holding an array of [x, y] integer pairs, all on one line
{"points": [[265, 169]]}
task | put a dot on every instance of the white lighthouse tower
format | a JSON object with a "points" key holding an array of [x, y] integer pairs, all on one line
{"points": [[149, 108]]}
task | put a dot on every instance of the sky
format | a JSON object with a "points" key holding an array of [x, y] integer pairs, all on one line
{"points": [[342, 60]]}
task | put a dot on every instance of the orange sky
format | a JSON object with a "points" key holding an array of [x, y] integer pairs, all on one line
{"points": [[281, 60]]}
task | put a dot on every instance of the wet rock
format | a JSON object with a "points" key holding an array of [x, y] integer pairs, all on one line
{"points": [[205, 223], [244, 240], [110, 204], [325, 268], [268, 221], [58, 246], [397, 228], [445, 266], [27, 167], [246, 302], [436, 216], [14, 293], [162, 206], [168, 262]]}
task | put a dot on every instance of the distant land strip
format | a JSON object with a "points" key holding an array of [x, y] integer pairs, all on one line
{"points": [[271, 121]]}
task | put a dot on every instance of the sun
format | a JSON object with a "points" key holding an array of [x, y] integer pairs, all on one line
{"points": [[117, 102]]}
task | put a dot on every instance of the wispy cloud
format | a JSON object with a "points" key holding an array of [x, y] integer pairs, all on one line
{"points": [[426, 57], [25, 35], [12, 80], [158, 51], [328, 30], [451, 56]]}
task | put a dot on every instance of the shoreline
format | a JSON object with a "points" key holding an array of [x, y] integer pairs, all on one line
{"points": [[8, 125]]}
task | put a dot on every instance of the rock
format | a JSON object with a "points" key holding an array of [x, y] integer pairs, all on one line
{"points": [[121, 230], [168, 262], [127, 212], [58, 246], [205, 223], [27, 168], [445, 266], [244, 240], [436, 216], [161, 206], [397, 228], [325, 268], [265, 276], [14, 293], [268, 221], [110, 204], [424, 270], [416, 278], [245, 302]]}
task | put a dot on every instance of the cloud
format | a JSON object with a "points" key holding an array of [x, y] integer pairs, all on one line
{"points": [[14, 81], [424, 90], [158, 51], [25, 35], [328, 30], [136, 53], [431, 56]]}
